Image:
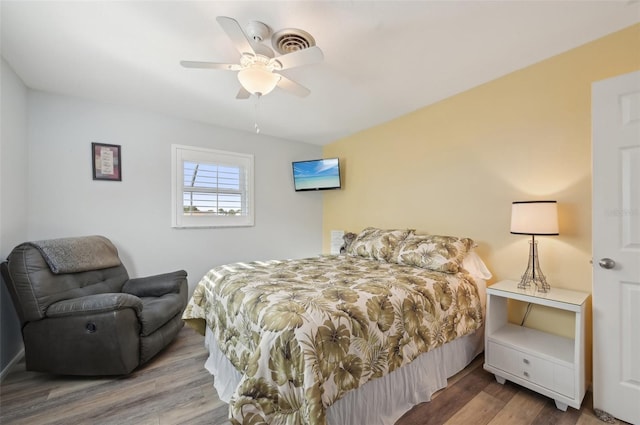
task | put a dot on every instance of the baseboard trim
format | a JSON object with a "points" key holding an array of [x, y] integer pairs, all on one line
{"points": [[13, 361]]}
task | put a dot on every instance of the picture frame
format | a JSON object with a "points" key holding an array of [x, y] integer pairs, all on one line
{"points": [[106, 161]]}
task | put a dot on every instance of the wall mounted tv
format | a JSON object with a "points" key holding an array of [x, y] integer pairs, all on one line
{"points": [[317, 174]]}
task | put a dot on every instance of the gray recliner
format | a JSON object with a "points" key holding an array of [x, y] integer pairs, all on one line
{"points": [[82, 315]]}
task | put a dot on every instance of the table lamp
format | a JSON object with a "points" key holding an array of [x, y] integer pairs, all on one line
{"points": [[535, 218]]}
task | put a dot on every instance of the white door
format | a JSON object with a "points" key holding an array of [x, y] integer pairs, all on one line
{"points": [[616, 246]]}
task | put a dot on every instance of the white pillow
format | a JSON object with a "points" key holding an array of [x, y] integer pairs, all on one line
{"points": [[475, 266]]}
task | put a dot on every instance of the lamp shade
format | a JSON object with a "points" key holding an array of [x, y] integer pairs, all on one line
{"points": [[534, 218], [258, 79]]}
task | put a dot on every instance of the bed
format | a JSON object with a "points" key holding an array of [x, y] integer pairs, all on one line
{"points": [[348, 339]]}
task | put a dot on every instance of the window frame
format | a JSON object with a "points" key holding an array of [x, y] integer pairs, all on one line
{"points": [[181, 154]]}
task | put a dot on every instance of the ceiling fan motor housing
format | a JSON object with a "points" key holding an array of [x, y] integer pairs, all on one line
{"points": [[258, 31]]}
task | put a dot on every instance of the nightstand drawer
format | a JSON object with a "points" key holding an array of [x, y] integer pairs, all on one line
{"points": [[532, 368]]}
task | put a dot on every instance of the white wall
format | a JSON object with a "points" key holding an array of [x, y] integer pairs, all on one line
{"points": [[13, 160], [13, 197], [136, 212]]}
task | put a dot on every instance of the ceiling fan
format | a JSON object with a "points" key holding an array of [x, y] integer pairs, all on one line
{"points": [[259, 68]]}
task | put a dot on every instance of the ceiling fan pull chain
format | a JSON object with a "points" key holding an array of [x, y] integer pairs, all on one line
{"points": [[256, 114]]}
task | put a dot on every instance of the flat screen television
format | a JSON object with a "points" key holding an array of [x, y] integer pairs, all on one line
{"points": [[317, 174]]}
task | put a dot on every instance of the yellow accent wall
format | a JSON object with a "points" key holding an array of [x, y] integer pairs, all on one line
{"points": [[454, 167]]}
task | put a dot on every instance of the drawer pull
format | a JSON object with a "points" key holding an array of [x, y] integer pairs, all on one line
{"points": [[525, 361], [526, 374]]}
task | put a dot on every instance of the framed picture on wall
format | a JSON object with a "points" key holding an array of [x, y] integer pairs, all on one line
{"points": [[106, 161]]}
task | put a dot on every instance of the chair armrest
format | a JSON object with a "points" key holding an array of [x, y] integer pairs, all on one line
{"points": [[158, 285], [91, 304]]}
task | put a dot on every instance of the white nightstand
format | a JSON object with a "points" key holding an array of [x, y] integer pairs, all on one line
{"points": [[546, 363]]}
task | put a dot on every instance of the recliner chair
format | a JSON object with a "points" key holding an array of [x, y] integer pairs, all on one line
{"points": [[82, 315]]}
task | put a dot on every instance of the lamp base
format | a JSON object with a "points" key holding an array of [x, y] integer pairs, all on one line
{"points": [[533, 274]]}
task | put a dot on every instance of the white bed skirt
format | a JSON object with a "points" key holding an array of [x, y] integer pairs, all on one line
{"points": [[381, 401]]}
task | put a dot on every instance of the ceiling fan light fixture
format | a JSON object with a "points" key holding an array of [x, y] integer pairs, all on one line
{"points": [[258, 79]]}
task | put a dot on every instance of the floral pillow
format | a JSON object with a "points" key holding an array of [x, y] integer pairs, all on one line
{"points": [[377, 244], [348, 239], [437, 253]]}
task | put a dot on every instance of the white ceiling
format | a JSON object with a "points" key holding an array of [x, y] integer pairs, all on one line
{"points": [[383, 59]]}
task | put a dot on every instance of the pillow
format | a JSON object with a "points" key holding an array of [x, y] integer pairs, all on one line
{"points": [[377, 244], [473, 264], [433, 252], [348, 239]]}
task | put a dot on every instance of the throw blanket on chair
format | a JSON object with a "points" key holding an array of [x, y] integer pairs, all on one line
{"points": [[79, 254]]}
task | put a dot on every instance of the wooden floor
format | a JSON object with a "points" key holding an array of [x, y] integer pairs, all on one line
{"points": [[174, 388]]}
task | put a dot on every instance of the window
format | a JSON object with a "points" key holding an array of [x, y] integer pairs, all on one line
{"points": [[211, 188]]}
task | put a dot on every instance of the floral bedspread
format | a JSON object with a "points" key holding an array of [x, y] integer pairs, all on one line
{"points": [[304, 332]]}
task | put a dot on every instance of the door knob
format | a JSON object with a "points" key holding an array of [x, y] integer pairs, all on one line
{"points": [[607, 263]]}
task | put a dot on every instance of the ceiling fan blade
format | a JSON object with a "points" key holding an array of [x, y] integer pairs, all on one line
{"points": [[243, 93], [211, 65], [292, 87], [235, 33], [300, 57]]}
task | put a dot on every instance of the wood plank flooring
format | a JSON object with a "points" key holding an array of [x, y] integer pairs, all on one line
{"points": [[174, 388]]}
